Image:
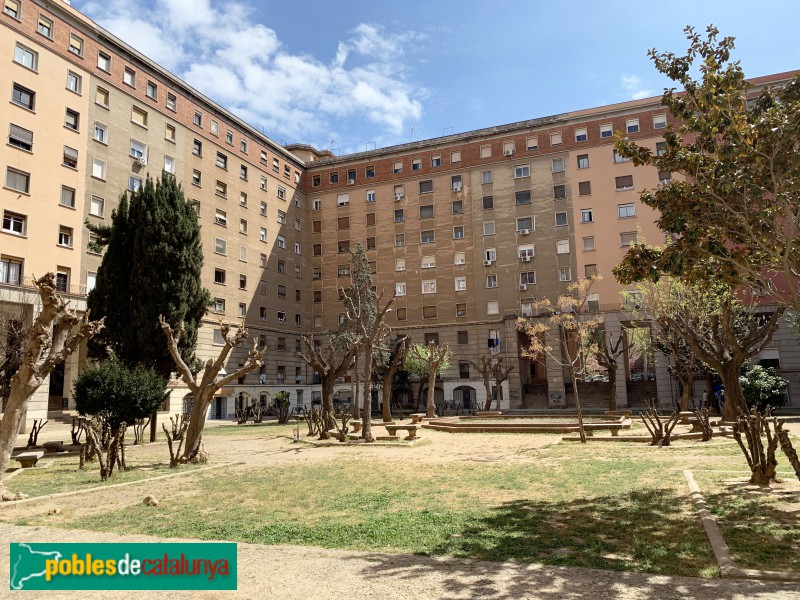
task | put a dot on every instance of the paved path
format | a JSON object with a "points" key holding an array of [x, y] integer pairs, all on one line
{"points": [[304, 573]]}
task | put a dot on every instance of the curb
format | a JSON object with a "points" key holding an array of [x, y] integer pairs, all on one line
{"points": [[722, 554]]}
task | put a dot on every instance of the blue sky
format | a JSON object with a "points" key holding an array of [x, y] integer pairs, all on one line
{"points": [[359, 74]]}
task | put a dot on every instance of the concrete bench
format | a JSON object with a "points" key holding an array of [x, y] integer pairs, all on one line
{"points": [[411, 429], [612, 427], [489, 413], [355, 424], [53, 447], [417, 417], [28, 459]]}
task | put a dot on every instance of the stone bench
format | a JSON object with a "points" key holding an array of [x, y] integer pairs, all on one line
{"points": [[489, 413], [28, 459], [355, 424], [411, 429], [612, 427], [417, 417], [53, 447]]}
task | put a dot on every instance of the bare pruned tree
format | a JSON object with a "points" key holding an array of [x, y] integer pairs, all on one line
{"points": [[437, 359], [491, 369]]}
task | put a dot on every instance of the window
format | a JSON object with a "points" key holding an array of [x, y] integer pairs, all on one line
{"points": [[196, 177], [628, 238], [243, 226], [281, 266], [218, 305], [525, 251], [397, 168], [492, 307], [429, 286], [664, 177], [343, 200], [400, 289], [75, 44], [399, 239], [399, 264], [488, 203], [14, 223], [139, 116], [427, 237], [152, 90], [222, 160], [26, 57], [491, 280], [263, 184], [138, 150], [280, 242], [583, 161], [455, 183], [334, 177], [65, 236], [461, 284], [20, 137], [351, 174], [632, 125], [243, 253], [581, 135], [281, 217], [463, 337], [219, 276], [221, 218], [370, 195], [426, 211], [172, 101], [101, 133], [45, 26], [10, 271], [458, 232], [23, 97], [134, 183], [562, 246], [564, 274], [586, 215], [458, 207], [558, 165], [522, 171], [70, 158], [281, 290], [461, 309], [490, 254], [606, 131], [661, 147], [68, 197], [398, 215], [525, 224], [625, 182], [370, 220], [98, 169], [486, 177], [62, 279], [532, 143], [486, 151], [527, 278], [243, 146], [585, 188], [72, 120], [618, 158], [509, 148], [343, 246], [18, 180], [588, 244], [559, 192], [425, 186], [74, 82], [416, 164], [436, 161], [220, 246], [221, 189], [169, 165], [101, 97], [625, 211], [463, 370], [429, 312], [659, 121], [488, 228], [129, 77], [561, 219], [243, 172], [197, 148], [555, 139], [590, 270], [522, 198], [198, 120], [455, 157]]}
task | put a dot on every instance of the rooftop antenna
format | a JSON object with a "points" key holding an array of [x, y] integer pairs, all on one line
{"points": [[446, 130], [412, 132], [334, 149], [368, 144]]}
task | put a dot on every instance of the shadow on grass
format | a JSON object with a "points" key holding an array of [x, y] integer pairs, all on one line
{"points": [[649, 531]]}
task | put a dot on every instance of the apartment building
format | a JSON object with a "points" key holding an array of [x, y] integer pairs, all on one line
{"points": [[468, 229]]}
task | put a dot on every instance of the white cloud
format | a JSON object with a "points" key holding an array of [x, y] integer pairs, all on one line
{"points": [[220, 49], [633, 86]]}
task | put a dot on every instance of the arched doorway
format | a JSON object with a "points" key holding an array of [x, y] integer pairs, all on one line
{"points": [[464, 398]]}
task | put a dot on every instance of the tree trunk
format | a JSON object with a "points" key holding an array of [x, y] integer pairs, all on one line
{"points": [[12, 417], [612, 385], [366, 419], [357, 396], [386, 396], [734, 403], [431, 407], [686, 381], [197, 421], [153, 428], [581, 430], [327, 403]]}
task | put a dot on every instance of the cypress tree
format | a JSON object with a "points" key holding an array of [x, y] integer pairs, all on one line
{"points": [[151, 267]]}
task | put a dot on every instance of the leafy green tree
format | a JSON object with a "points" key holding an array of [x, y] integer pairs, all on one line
{"points": [[736, 217], [762, 387], [428, 360], [151, 267], [118, 394]]}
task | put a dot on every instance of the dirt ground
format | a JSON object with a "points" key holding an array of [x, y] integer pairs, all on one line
{"points": [[295, 572]]}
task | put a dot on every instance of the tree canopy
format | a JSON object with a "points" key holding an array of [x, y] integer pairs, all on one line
{"points": [[736, 215], [151, 267]]}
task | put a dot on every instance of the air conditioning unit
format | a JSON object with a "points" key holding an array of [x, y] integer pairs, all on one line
{"points": [[508, 153], [281, 320], [398, 197], [399, 268], [460, 262], [487, 263], [456, 187], [524, 231], [220, 221], [142, 161], [526, 259], [523, 287], [351, 181]]}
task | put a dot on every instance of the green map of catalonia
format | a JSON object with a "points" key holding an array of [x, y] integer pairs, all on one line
{"points": [[29, 564]]}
